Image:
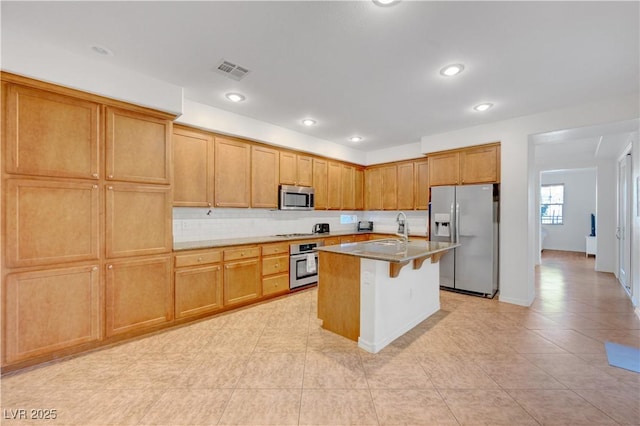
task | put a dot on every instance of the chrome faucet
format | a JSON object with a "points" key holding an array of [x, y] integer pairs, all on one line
{"points": [[403, 226]]}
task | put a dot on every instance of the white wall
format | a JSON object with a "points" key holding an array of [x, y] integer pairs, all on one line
{"points": [[519, 185], [579, 203]]}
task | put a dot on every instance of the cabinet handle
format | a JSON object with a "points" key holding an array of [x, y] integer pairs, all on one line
{"points": [[110, 176], [110, 188], [94, 186], [95, 268], [276, 266], [94, 175], [199, 259], [110, 267], [209, 204]]}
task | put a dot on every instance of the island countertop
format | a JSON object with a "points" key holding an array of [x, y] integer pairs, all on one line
{"points": [[391, 250]]}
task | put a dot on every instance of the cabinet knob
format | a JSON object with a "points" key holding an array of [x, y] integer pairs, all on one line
{"points": [[110, 187], [110, 176], [110, 267], [276, 266], [209, 204], [94, 175], [199, 259], [94, 186], [95, 268]]}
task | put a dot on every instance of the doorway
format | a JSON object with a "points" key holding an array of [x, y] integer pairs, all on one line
{"points": [[623, 230]]}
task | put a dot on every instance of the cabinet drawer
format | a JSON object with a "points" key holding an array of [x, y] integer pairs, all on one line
{"points": [[241, 253], [275, 265], [279, 248], [198, 258], [276, 284]]}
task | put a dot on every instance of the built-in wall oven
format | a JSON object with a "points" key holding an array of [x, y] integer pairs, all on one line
{"points": [[303, 266]]}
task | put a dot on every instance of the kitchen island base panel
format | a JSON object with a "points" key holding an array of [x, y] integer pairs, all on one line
{"points": [[390, 307]]}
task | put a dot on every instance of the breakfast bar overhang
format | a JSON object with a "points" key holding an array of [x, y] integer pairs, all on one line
{"points": [[374, 292]]}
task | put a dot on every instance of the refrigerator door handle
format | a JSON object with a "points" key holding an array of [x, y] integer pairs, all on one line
{"points": [[452, 224], [457, 222]]}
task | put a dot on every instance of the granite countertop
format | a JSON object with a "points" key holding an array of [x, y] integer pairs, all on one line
{"points": [[226, 242], [391, 250]]}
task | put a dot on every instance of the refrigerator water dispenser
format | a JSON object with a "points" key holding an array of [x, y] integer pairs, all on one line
{"points": [[442, 225]]}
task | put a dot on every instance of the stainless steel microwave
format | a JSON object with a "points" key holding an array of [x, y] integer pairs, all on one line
{"points": [[295, 198]]}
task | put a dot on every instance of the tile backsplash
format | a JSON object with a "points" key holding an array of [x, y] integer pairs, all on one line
{"points": [[199, 224]]}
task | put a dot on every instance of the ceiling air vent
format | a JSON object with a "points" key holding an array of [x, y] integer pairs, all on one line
{"points": [[231, 70]]}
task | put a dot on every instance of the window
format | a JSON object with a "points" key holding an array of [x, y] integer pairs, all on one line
{"points": [[551, 204]]}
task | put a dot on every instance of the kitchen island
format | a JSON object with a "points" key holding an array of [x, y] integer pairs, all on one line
{"points": [[375, 291]]}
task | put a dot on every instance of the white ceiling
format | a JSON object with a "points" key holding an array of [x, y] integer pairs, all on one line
{"points": [[358, 68]]}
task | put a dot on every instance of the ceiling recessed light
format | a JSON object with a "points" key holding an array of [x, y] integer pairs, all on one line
{"points": [[451, 70], [483, 107], [355, 138], [235, 97], [308, 122], [101, 50], [385, 3]]}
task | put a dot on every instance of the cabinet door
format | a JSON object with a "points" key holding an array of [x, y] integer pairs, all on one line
{"points": [[242, 281], [422, 184], [348, 185], [305, 171], [50, 310], [480, 165], [389, 188], [288, 168], [405, 186], [138, 147], [320, 182], [444, 169], [138, 220], [198, 290], [51, 135], [51, 222], [359, 189], [139, 294], [334, 186], [192, 168], [275, 265], [232, 173], [264, 177], [275, 284], [373, 189]]}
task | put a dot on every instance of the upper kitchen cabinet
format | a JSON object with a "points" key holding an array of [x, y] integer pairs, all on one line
{"points": [[373, 189], [232, 173], [48, 134], [348, 188], [320, 181], [295, 169], [334, 185], [421, 170], [405, 186], [264, 177], [390, 187], [359, 189], [138, 147], [192, 168], [444, 169], [480, 164]]}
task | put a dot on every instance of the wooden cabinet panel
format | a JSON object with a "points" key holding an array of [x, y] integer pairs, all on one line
{"points": [[51, 222], [334, 185], [242, 281], [139, 294], [232, 173], [264, 177], [347, 239], [373, 189], [278, 248], [275, 265], [193, 168], [50, 310], [348, 188], [138, 147], [320, 182], [138, 220], [51, 135], [480, 165], [198, 290], [422, 185], [305, 171], [444, 169], [331, 241], [405, 186], [389, 187], [361, 237], [288, 168], [275, 284], [359, 189]]}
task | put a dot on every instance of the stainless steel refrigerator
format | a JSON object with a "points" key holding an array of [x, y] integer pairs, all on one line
{"points": [[468, 214]]}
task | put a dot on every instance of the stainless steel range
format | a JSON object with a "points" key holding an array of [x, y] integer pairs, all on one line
{"points": [[303, 266]]}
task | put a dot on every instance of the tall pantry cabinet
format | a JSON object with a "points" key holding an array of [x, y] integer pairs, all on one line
{"points": [[86, 248]]}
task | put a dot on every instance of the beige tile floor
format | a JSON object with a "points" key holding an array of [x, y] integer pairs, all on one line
{"points": [[475, 362]]}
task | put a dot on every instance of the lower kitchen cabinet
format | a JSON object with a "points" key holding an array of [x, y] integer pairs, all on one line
{"points": [[198, 290], [275, 268], [242, 280], [49, 310], [139, 294]]}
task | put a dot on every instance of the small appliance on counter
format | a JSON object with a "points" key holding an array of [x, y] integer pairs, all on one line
{"points": [[365, 225], [321, 228]]}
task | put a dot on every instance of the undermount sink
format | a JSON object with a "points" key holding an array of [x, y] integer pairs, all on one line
{"points": [[390, 242], [388, 246]]}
